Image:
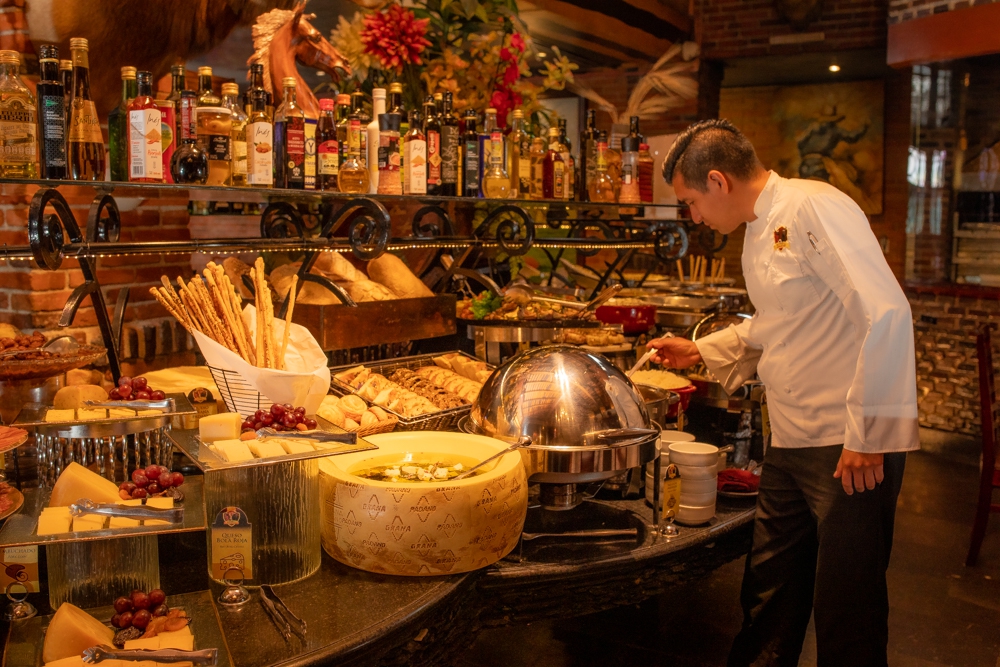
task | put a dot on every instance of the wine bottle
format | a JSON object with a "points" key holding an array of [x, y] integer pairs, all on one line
{"points": [[51, 115], [86, 144]]}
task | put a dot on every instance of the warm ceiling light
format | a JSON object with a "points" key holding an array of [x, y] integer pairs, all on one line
{"points": [[542, 55], [834, 67]]}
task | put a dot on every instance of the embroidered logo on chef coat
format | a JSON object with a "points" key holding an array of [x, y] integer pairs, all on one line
{"points": [[780, 238]]}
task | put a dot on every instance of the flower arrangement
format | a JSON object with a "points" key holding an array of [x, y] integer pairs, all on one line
{"points": [[477, 49]]}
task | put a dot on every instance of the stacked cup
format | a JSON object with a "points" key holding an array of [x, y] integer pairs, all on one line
{"points": [[698, 464], [666, 437]]}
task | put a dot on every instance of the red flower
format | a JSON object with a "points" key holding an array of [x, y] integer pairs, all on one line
{"points": [[517, 42], [511, 75], [507, 56], [396, 37]]}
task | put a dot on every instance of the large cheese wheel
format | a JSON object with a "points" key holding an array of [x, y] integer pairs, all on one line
{"points": [[71, 632], [74, 397], [77, 482]]}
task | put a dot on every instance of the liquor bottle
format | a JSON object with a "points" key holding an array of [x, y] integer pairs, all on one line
{"points": [[260, 140], [373, 130], [554, 169], [438, 105], [186, 115], [290, 139], [215, 135], [257, 83], [629, 192], [567, 155], [470, 157], [18, 131], [206, 96], [145, 143], [496, 180], [118, 146], [327, 150], [588, 154], [51, 115], [176, 89], [537, 167], [168, 132], [602, 186], [352, 176], [450, 154], [86, 144], [189, 164], [388, 154], [237, 135], [415, 158], [486, 145], [358, 111], [432, 130], [395, 105], [343, 108], [519, 158], [66, 76], [646, 165]]}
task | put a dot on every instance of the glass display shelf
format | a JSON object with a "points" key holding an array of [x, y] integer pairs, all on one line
{"points": [[19, 529]]}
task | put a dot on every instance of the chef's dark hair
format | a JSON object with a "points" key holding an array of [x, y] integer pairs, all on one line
{"points": [[708, 145]]}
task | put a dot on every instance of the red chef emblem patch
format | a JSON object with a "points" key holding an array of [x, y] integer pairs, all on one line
{"points": [[780, 238]]}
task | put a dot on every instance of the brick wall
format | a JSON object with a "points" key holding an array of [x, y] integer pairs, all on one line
{"points": [[739, 28], [906, 10]]}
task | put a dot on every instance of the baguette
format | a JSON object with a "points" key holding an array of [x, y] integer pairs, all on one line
{"points": [[393, 272]]}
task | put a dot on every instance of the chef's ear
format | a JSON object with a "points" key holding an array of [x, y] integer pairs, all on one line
{"points": [[718, 181]]}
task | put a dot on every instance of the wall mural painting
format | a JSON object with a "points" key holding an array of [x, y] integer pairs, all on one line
{"points": [[830, 132]]}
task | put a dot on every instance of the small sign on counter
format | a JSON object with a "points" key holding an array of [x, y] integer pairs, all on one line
{"points": [[231, 540], [20, 565]]}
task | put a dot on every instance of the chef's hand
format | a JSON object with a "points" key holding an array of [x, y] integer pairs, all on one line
{"points": [[858, 471], [675, 352]]}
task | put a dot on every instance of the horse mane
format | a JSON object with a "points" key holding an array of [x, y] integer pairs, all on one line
{"points": [[264, 30]]}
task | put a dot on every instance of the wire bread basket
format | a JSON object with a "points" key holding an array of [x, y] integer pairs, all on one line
{"points": [[239, 395]]}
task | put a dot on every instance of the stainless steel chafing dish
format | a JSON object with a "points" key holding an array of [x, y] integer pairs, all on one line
{"points": [[586, 420], [681, 312]]}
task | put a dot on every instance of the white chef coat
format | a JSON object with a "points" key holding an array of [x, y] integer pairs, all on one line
{"points": [[832, 336]]}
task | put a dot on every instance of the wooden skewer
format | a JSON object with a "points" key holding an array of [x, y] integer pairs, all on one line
{"points": [[722, 269], [680, 270]]}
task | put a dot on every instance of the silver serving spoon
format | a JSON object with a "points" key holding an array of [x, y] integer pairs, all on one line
{"points": [[523, 442], [96, 654]]}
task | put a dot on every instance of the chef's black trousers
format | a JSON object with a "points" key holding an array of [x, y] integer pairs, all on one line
{"points": [[815, 548]]}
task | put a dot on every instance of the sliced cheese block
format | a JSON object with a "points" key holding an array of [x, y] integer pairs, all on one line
{"points": [[89, 415], [159, 503], [263, 449], [123, 522], [52, 415], [149, 413], [82, 524], [72, 631], [181, 640], [223, 426], [233, 451], [68, 398], [120, 413], [77, 482], [297, 446], [152, 644], [54, 520], [72, 661]]}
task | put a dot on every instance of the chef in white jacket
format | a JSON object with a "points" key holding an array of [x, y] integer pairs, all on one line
{"points": [[832, 340]]}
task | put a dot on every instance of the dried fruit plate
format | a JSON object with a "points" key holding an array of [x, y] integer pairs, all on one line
{"points": [[28, 369]]}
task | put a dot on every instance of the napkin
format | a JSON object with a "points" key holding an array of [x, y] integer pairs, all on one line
{"points": [[740, 481]]}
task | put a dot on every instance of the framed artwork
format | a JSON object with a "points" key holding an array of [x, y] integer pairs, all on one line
{"points": [[831, 132]]}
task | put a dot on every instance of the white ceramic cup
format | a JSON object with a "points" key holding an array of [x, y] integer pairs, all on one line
{"points": [[698, 472], [697, 499], [693, 453]]}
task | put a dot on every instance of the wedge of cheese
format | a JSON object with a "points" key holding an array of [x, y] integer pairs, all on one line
{"points": [[223, 426], [68, 398], [297, 446], [53, 415], [152, 644], [88, 522], [54, 520], [158, 503], [77, 482], [233, 451], [71, 631], [263, 449], [89, 415], [181, 640]]}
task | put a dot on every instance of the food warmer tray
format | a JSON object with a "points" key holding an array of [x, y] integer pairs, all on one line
{"points": [[19, 529], [32, 418], [681, 311], [25, 638], [524, 331], [207, 461], [444, 420]]}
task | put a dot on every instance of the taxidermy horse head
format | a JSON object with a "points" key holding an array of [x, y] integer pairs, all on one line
{"points": [[281, 37]]}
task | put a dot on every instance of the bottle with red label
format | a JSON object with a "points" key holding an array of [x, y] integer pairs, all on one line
{"points": [[145, 141], [290, 140], [432, 131], [327, 147]]}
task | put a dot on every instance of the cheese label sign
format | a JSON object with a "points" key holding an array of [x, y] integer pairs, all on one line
{"points": [[781, 238], [671, 491], [20, 566], [232, 538]]}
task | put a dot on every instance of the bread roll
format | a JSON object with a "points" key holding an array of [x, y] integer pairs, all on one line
{"points": [[368, 419], [352, 406], [9, 331], [70, 398], [393, 272], [368, 290], [337, 268]]}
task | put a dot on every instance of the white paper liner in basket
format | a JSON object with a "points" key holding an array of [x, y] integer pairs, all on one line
{"points": [[306, 380]]}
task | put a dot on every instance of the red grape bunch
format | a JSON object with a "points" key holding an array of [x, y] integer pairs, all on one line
{"points": [[281, 417], [135, 389], [139, 608], [150, 481]]}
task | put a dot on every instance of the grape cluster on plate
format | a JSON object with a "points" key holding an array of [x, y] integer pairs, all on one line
{"points": [[139, 608], [281, 417], [150, 481], [135, 389]]}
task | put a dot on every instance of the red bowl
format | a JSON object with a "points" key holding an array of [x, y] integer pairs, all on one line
{"points": [[685, 394], [634, 319]]}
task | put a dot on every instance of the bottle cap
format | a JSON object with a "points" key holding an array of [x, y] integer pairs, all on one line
{"points": [[388, 122], [343, 99], [630, 144], [177, 69], [204, 71], [644, 147], [288, 82], [396, 87], [65, 64], [128, 72], [378, 93], [438, 97], [230, 89], [48, 52], [471, 113], [562, 122], [553, 131], [79, 43], [491, 110], [518, 113], [326, 104], [10, 57], [257, 67]]}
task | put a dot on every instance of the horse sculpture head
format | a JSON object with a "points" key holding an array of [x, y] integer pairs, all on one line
{"points": [[280, 37]]}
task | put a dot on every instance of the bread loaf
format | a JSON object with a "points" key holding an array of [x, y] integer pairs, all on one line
{"points": [[393, 272], [368, 290], [309, 293], [337, 268]]}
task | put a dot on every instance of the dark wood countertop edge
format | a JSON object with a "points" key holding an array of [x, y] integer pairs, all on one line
{"points": [[953, 289]]}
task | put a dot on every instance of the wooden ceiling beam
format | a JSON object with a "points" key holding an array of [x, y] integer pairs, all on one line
{"points": [[664, 12], [587, 22], [544, 30]]}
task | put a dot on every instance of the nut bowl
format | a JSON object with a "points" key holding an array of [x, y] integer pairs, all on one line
{"points": [[422, 528]]}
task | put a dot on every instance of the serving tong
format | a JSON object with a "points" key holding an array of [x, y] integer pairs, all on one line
{"points": [[280, 614], [96, 654], [317, 435], [605, 294], [87, 506]]}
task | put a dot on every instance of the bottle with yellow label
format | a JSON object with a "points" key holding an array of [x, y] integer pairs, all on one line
{"points": [[18, 122], [86, 143]]}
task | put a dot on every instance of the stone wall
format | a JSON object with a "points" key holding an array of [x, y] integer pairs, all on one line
{"points": [[906, 10], [945, 327]]}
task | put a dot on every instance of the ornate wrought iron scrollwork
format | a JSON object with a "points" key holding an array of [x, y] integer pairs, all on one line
{"points": [[368, 227], [670, 240], [423, 230], [45, 231], [281, 220], [104, 222], [508, 230], [704, 237]]}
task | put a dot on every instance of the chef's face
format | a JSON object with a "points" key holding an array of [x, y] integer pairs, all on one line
{"points": [[716, 207]]}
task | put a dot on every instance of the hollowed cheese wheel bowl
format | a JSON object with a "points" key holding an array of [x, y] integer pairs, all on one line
{"points": [[423, 528]]}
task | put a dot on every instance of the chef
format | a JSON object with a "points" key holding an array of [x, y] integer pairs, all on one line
{"points": [[832, 340]]}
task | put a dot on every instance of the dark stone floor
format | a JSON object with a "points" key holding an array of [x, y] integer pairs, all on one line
{"points": [[942, 612]]}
